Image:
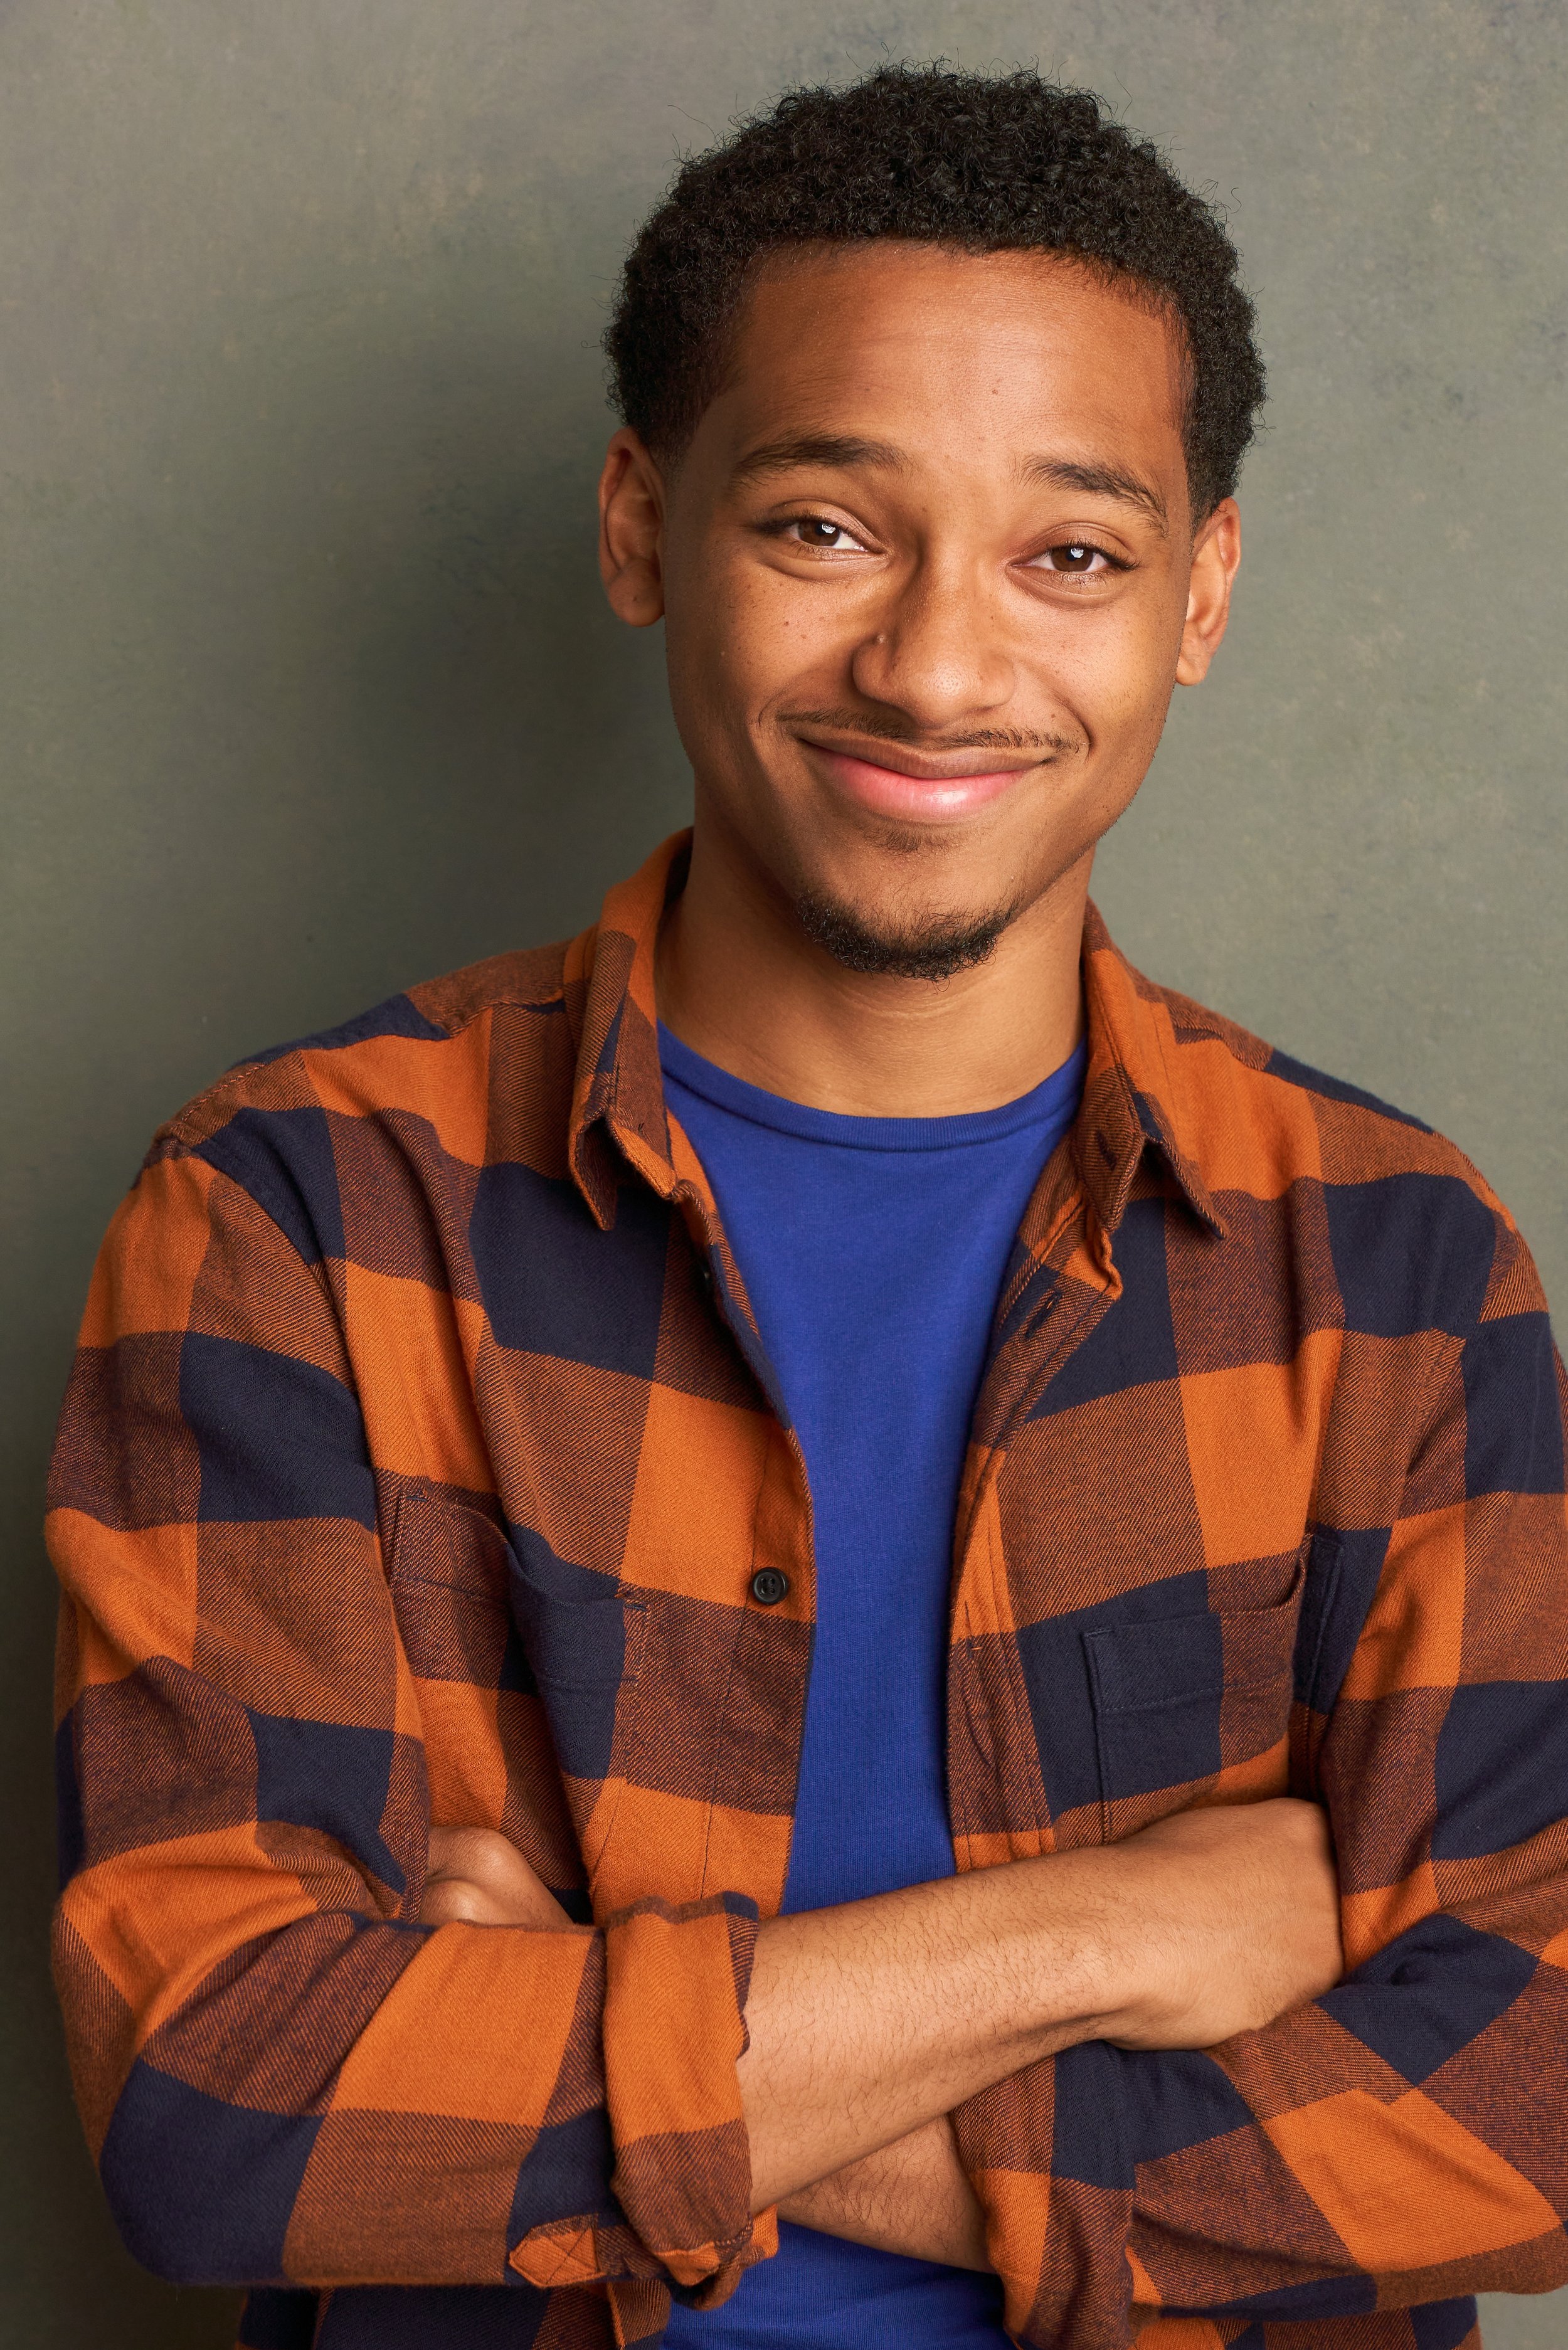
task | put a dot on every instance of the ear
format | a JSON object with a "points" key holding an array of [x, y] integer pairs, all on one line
{"points": [[1216, 553], [631, 531]]}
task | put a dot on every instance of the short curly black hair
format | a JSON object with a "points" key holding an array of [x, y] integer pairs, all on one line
{"points": [[982, 163]]}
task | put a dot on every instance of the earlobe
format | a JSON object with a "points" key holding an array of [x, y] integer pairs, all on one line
{"points": [[1193, 661], [636, 594], [631, 531], [1216, 556]]}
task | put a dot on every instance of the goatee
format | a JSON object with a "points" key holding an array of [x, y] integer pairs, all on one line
{"points": [[935, 949]]}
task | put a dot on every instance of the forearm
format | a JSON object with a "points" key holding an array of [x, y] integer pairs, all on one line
{"points": [[868, 2021], [912, 2197], [871, 2021]]}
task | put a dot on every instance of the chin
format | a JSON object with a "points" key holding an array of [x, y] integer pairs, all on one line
{"points": [[929, 945]]}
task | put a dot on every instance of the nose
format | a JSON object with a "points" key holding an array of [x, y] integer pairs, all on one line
{"points": [[938, 655]]}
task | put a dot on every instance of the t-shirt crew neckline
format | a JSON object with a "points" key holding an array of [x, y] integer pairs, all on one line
{"points": [[1041, 1107]]}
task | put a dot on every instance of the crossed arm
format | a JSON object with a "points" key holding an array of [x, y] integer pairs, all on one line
{"points": [[869, 2023]]}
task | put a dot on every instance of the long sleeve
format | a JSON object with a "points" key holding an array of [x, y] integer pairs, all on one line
{"points": [[285, 2076], [1400, 2141]]}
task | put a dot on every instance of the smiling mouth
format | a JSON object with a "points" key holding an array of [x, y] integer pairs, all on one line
{"points": [[932, 787]]}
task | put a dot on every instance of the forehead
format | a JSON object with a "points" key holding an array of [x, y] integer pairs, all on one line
{"points": [[943, 352]]}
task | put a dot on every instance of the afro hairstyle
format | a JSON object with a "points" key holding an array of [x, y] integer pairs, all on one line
{"points": [[977, 163]]}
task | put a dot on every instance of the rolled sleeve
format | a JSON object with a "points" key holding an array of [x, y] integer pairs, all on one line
{"points": [[672, 2034], [288, 2078]]}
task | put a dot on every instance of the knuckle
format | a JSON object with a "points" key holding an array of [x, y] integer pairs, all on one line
{"points": [[454, 1902]]}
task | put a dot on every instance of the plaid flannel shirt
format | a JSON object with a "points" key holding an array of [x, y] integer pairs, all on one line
{"points": [[417, 1464]]}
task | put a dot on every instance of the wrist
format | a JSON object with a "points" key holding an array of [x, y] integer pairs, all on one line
{"points": [[1101, 1965]]}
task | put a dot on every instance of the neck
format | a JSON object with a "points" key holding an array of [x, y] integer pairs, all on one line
{"points": [[740, 982]]}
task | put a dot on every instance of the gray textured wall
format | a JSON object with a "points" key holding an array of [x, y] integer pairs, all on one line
{"points": [[309, 693]]}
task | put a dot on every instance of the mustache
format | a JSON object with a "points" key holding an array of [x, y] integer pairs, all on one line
{"points": [[880, 726]]}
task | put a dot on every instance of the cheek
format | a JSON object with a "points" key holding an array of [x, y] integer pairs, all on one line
{"points": [[759, 641], [714, 617], [736, 651], [704, 653], [780, 622], [1113, 671]]}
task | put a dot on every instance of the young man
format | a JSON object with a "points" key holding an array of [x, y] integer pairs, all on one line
{"points": [[726, 1587]]}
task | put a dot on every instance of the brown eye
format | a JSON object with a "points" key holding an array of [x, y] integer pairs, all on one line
{"points": [[819, 532], [814, 532], [1076, 558]]}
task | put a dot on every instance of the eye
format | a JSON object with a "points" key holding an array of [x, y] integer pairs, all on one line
{"points": [[822, 535], [1075, 558]]}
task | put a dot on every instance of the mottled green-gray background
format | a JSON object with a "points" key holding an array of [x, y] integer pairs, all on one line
{"points": [[308, 693]]}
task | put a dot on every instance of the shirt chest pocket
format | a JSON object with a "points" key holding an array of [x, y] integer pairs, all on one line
{"points": [[1190, 1705], [511, 1617], [580, 1636]]}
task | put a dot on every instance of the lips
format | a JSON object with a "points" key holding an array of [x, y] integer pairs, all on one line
{"points": [[930, 799]]}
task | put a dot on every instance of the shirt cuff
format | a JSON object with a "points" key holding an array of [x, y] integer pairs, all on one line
{"points": [[676, 1980]]}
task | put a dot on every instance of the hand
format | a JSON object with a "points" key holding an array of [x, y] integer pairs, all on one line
{"points": [[478, 1877], [870, 2021], [1237, 1920]]}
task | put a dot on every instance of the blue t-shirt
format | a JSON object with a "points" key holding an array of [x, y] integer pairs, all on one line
{"points": [[873, 1250]]}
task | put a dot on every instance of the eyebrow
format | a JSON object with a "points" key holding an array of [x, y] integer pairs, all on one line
{"points": [[841, 448], [1098, 482], [848, 450]]}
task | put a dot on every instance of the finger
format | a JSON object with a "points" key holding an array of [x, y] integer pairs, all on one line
{"points": [[458, 1901], [531, 1903], [483, 1859], [482, 1855]]}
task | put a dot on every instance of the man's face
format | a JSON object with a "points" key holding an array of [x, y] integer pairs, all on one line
{"points": [[928, 574]]}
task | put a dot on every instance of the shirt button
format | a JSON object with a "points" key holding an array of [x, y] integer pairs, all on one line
{"points": [[769, 1586]]}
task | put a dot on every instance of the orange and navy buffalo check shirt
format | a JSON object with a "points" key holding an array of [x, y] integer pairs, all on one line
{"points": [[421, 1462]]}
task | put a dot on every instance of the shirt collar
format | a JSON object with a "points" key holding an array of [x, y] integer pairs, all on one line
{"points": [[618, 1094], [1133, 1095], [1136, 1095]]}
